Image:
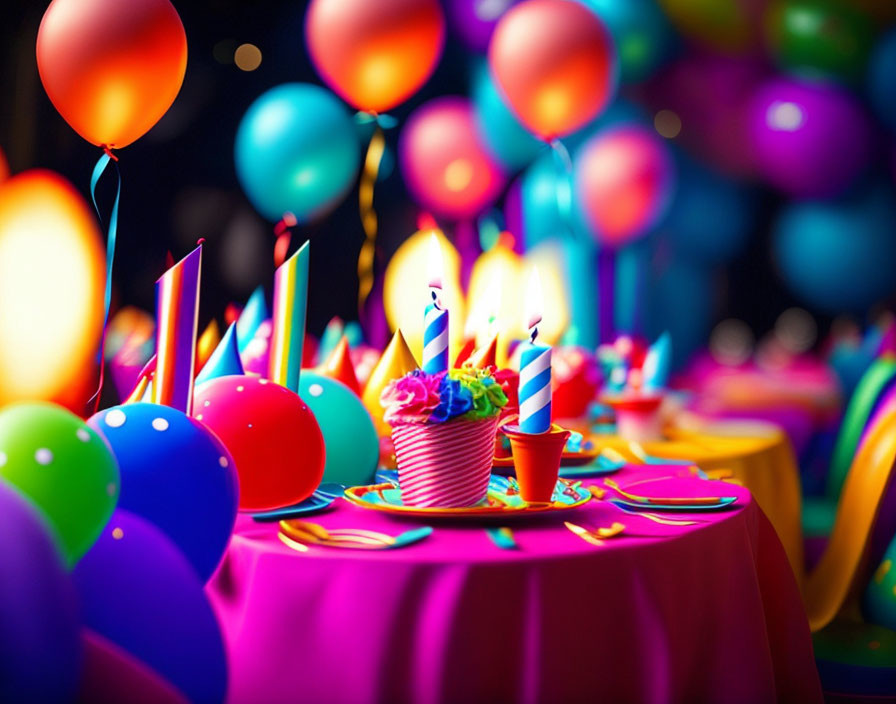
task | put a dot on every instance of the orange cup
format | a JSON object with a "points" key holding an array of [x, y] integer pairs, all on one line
{"points": [[536, 457]]}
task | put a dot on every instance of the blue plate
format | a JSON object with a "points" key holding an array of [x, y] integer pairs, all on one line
{"points": [[600, 467], [725, 502], [322, 498]]}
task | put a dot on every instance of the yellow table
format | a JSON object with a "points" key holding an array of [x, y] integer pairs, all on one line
{"points": [[754, 454]]}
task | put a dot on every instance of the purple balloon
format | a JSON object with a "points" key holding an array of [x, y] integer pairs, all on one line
{"points": [[474, 20], [138, 591], [40, 642], [811, 139]]}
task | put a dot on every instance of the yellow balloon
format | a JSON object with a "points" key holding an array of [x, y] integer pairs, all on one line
{"points": [[406, 290], [51, 291], [397, 360]]}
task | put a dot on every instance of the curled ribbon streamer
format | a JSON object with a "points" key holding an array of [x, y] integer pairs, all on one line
{"points": [[111, 236], [368, 215], [564, 184]]}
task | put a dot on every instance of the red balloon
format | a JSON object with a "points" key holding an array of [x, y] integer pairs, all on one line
{"points": [[445, 164], [624, 178], [112, 68], [271, 434], [555, 62], [375, 53]]}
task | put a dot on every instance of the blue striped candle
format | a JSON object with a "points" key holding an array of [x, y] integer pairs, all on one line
{"points": [[435, 339], [535, 388]]}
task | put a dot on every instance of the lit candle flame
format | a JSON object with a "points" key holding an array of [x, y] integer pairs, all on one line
{"points": [[435, 270], [534, 303]]}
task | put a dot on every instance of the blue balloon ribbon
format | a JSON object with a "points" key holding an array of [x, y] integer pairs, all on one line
{"points": [[111, 236], [564, 185]]}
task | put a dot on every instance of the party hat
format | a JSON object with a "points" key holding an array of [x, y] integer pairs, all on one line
{"points": [[207, 343], [330, 338], [397, 360], [468, 348], [253, 314], [225, 360], [486, 356], [339, 366]]}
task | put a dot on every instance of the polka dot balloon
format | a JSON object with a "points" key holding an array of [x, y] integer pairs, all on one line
{"points": [[52, 457], [270, 432], [176, 474]]}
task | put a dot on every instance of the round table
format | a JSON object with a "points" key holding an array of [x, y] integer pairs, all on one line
{"points": [[707, 612]]}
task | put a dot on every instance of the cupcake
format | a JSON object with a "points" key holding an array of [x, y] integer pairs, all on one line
{"points": [[443, 430]]}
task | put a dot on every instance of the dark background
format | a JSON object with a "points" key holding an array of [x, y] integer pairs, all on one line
{"points": [[179, 182]]}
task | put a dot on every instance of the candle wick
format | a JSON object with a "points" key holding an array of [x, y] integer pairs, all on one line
{"points": [[533, 335]]}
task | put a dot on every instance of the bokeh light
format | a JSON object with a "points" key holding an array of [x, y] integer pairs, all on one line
{"points": [[247, 57]]}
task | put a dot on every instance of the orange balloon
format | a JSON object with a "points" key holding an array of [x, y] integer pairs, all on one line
{"points": [[556, 64], [112, 68], [375, 53], [52, 279]]}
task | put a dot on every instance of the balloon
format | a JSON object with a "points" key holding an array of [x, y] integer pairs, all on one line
{"points": [[175, 474], [575, 380], [711, 216], [296, 152], [554, 60], [271, 435], [728, 26], [443, 161], [624, 179], [112, 69], [503, 135], [353, 448], [810, 139], [882, 79], [880, 597], [824, 37], [375, 54], [40, 641], [52, 274], [473, 21], [643, 36], [64, 467], [706, 98], [139, 591], [406, 292], [836, 256]]}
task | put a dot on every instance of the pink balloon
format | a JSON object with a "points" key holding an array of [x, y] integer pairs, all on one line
{"points": [[445, 164], [624, 179]]}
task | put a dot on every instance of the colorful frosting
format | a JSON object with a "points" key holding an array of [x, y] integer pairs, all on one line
{"points": [[466, 393]]}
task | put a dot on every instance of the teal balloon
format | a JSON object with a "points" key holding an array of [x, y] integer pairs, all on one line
{"points": [[837, 256], [507, 140], [351, 442], [643, 36], [297, 151], [880, 595]]}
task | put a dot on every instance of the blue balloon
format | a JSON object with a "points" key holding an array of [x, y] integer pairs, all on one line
{"points": [[882, 79], [40, 641], [176, 474], [711, 216], [681, 299], [643, 36], [297, 151], [138, 591], [837, 256], [353, 447]]}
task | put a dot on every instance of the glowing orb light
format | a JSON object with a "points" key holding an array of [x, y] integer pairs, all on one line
{"points": [[51, 290], [406, 290]]}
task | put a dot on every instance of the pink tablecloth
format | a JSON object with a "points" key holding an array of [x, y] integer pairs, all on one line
{"points": [[703, 613]]}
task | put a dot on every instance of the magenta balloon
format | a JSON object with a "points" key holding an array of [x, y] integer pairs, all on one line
{"points": [[711, 96], [810, 139], [445, 165], [624, 179], [473, 21]]}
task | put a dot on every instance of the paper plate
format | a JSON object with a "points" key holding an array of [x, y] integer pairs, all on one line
{"points": [[503, 501], [318, 501], [567, 459]]}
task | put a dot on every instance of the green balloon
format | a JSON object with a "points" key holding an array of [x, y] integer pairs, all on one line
{"points": [[64, 467], [827, 38], [353, 448]]}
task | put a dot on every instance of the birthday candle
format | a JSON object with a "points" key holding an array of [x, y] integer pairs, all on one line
{"points": [[288, 334], [435, 317], [177, 310], [535, 368]]}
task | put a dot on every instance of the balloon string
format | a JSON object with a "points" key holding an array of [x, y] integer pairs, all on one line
{"points": [[367, 254], [111, 236], [283, 232], [563, 189]]}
